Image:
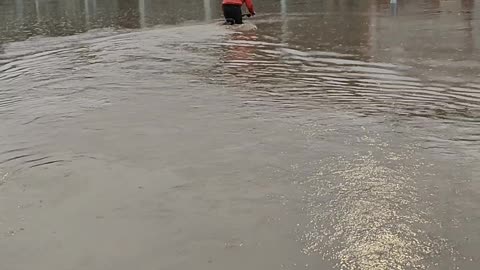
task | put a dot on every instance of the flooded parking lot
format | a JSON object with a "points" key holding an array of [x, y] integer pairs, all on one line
{"points": [[145, 134]]}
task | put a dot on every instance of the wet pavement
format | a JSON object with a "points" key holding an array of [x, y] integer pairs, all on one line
{"points": [[144, 134]]}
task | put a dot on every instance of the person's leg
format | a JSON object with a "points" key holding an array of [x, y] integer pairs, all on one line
{"points": [[233, 14], [238, 14], [229, 14]]}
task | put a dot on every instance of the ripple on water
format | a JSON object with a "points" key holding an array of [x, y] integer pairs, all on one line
{"points": [[47, 83], [309, 79], [25, 158]]}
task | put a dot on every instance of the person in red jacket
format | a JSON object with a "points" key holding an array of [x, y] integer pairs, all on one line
{"points": [[232, 10]]}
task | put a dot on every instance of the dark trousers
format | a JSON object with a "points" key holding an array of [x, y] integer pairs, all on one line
{"points": [[233, 14]]}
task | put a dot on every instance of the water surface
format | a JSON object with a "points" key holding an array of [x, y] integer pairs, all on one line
{"points": [[143, 134]]}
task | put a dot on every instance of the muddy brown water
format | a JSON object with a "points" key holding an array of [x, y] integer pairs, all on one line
{"points": [[144, 134]]}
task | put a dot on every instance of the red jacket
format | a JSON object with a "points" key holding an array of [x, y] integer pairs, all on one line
{"points": [[249, 4]]}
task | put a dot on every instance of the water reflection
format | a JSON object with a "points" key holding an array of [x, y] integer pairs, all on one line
{"points": [[21, 19], [19, 8], [317, 77], [468, 7], [24, 18], [37, 9], [353, 77], [284, 11], [394, 7], [207, 7], [142, 10]]}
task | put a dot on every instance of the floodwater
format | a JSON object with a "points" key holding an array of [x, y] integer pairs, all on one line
{"points": [[145, 135]]}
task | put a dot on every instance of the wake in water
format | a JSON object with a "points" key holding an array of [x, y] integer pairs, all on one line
{"points": [[245, 27]]}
